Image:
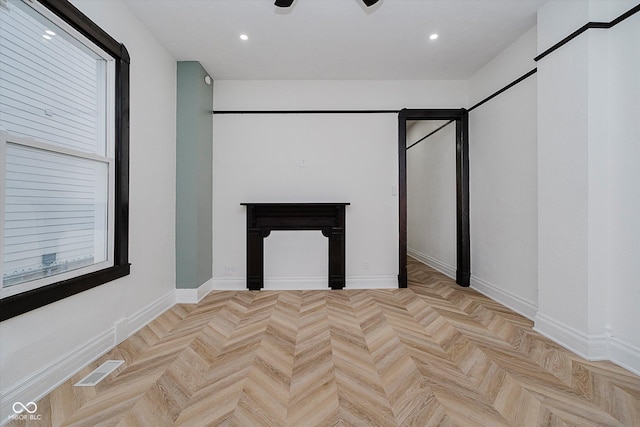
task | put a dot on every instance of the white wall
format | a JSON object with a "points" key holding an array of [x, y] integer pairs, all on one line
{"points": [[52, 342], [582, 149], [503, 179], [563, 95], [624, 188], [431, 196], [339, 94], [588, 195], [515, 61], [573, 126], [350, 158]]}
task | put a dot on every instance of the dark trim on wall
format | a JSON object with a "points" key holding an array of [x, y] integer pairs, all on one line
{"points": [[307, 112], [507, 87], [85, 26], [402, 199], [625, 15], [21, 303], [121, 223], [588, 26], [24, 302], [605, 25], [463, 250], [463, 241], [430, 133]]}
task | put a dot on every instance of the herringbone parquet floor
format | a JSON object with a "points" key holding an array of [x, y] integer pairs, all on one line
{"points": [[433, 354]]}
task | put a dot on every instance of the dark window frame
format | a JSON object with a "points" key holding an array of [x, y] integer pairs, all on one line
{"points": [[24, 302]]}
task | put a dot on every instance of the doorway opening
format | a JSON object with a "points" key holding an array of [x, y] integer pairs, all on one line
{"points": [[463, 251]]}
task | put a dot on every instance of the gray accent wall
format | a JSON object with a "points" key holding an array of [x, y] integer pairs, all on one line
{"points": [[194, 176]]}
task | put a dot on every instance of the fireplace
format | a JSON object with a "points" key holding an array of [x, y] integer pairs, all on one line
{"points": [[262, 218]]}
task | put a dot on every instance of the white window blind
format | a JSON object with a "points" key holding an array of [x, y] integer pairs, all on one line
{"points": [[55, 213], [56, 150], [53, 90]]}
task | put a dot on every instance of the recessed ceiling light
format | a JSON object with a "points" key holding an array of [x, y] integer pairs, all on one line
{"points": [[46, 37], [244, 37], [433, 36], [51, 33]]}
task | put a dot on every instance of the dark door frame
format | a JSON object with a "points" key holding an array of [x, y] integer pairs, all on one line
{"points": [[463, 246]]}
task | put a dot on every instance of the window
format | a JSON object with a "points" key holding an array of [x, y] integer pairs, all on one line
{"points": [[64, 155]]}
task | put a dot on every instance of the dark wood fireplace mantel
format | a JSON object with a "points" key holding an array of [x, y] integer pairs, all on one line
{"points": [[262, 218]]}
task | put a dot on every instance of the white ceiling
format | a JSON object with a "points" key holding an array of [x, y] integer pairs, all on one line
{"points": [[337, 39]]}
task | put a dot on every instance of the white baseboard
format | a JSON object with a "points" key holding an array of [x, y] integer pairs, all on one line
{"points": [[590, 347], [514, 302], [625, 355], [194, 296], [229, 284], [43, 381], [46, 379], [442, 267], [142, 318], [297, 283], [372, 282], [321, 283], [510, 300]]}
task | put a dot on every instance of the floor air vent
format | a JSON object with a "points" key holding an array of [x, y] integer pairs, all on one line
{"points": [[99, 373]]}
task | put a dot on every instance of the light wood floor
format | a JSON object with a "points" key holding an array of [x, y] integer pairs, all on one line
{"points": [[432, 354]]}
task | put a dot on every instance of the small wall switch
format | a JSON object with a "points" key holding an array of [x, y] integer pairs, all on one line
{"points": [[303, 163], [228, 270]]}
